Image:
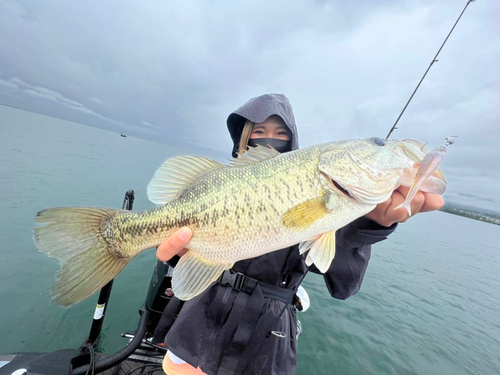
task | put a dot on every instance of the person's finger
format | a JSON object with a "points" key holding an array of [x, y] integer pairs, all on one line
{"points": [[403, 190], [432, 202], [417, 203], [182, 252], [405, 219], [396, 215], [174, 244]]}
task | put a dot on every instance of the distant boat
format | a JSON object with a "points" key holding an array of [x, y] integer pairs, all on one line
{"points": [[123, 135]]}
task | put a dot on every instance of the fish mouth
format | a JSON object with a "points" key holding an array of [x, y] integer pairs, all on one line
{"points": [[341, 189], [362, 195], [336, 186]]}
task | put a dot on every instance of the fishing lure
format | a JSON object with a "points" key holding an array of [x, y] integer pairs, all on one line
{"points": [[431, 161]]}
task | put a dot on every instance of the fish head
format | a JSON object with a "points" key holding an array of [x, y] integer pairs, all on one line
{"points": [[369, 170]]}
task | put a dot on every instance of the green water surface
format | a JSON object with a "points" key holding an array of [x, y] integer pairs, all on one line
{"points": [[429, 303]]}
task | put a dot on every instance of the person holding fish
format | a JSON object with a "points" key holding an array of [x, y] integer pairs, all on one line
{"points": [[245, 322], [258, 226]]}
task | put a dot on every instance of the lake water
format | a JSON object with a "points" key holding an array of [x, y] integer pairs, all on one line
{"points": [[430, 302]]}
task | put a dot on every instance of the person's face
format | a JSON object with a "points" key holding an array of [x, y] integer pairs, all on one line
{"points": [[271, 128]]}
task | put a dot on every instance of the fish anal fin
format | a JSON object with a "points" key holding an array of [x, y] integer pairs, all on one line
{"points": [[193, 275], [176, 174], [321, 251], [305, 214]]}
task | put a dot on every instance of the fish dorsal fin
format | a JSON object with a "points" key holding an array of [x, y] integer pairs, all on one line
{"points": [[321, 250], [254, 155], [176, 174], [305, 214]]}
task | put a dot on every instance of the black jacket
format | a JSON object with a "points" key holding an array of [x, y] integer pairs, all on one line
{"points": [[203, 340]]}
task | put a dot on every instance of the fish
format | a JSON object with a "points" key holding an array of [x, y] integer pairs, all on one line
{"points": [[262, 201]]}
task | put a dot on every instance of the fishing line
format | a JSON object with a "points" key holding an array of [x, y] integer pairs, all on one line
{"points": [[434, 60]]}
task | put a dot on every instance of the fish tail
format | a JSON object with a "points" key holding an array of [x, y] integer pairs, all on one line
{"points": [[74, 236]]}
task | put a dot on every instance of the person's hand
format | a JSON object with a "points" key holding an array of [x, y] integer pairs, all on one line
{"points": [[174, 245], [385, 214]]}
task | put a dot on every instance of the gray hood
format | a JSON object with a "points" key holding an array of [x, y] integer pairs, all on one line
{"points": [[258, 110]]}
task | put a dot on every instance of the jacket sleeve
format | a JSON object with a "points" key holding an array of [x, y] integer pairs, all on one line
{"points": [[344, 277]]}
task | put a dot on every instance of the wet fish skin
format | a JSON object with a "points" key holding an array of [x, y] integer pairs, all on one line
{"points": [[263, 202]]}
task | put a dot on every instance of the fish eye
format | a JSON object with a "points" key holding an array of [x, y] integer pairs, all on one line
{"points": [[378, 141]]}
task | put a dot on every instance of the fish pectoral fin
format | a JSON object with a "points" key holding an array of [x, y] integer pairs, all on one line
{"points": [[254, 155], [176, 174], [321, 251], [305, 214], [192, 275]]}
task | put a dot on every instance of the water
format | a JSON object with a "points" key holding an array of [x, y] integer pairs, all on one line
{"points": [[429, 303]]}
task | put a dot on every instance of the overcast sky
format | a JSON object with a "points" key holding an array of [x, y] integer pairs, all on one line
{"points": [[172, 71]]}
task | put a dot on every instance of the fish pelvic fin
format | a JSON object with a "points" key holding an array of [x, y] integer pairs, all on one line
{"points": [[73, 236], [176, 174], [193, 275], [305, 214], [321, 251]]}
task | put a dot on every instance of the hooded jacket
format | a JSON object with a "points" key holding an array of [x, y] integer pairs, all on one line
{"points": [[258, 110], [225, 331]]}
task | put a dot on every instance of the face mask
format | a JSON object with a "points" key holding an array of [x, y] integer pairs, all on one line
{"points": [[278, 144]]}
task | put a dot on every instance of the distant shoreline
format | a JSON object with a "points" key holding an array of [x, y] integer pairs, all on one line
{"points": [[472, 213]]}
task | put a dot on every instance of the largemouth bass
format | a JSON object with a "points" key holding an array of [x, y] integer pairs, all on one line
{"points": [[263, 201]]}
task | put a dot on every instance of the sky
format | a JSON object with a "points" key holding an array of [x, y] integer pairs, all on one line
{"points": [[172, 71]]}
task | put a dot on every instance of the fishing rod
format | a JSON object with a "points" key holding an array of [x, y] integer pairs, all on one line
{"points": [[434, 60]]}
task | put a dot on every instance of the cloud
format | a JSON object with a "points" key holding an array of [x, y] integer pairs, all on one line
{"points": [[9, 85], [17, 85], [98, 101], [173, 71], [149, 125]]}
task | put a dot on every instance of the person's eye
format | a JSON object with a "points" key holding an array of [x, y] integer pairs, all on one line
{"points": [[260, 132], [283, 133]]}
